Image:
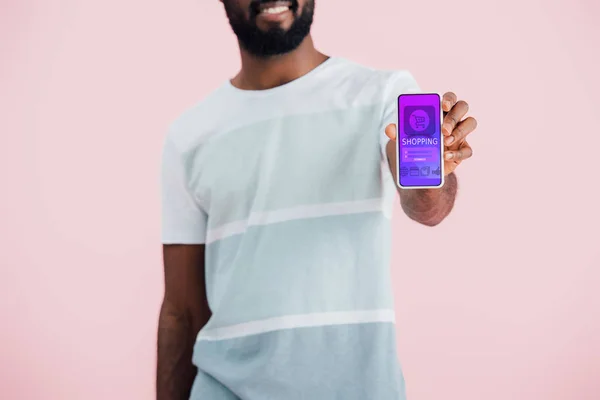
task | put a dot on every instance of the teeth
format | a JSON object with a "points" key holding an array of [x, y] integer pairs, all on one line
{"points": [[275, 10]]}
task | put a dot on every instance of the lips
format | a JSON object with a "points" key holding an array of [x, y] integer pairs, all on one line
{"points": [[273, 7]]}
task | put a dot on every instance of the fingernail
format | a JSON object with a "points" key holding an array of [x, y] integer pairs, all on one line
{"points": [[449, 140], [446, 105], [448, 156], [446, 129]]}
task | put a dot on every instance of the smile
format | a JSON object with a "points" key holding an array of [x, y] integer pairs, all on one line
{"points": [[274, 7]]}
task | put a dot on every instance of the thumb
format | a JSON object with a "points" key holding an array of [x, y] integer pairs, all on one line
{"points": [[390, 131]]}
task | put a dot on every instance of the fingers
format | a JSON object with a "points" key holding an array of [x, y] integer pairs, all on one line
{"points": [[448, 101], [454, 116], [460, 132], [390, 131], [465, 151]]}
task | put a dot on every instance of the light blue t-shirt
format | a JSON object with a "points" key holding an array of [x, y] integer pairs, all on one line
{"points": [[291, 192]]}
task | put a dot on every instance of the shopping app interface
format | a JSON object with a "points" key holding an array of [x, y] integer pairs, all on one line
{"points": [[419, 140]]}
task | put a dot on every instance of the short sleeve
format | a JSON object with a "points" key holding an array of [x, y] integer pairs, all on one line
{"points": [[399, 82], [183, 221]]}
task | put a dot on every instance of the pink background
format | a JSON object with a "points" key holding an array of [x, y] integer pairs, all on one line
{"points": [[508, 308]]}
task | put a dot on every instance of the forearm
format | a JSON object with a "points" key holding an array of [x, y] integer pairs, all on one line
{"points": [[426, 206], [176, 338], [430, 206]]}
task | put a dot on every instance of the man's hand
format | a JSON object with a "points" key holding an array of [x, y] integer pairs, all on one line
{"points": [[455, 129], [431, 206]]}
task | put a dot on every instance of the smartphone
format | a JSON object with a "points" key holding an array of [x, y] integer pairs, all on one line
{"points": [[420, 146]]}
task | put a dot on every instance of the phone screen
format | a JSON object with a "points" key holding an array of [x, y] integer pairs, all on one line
{"points": [[420, 162]]}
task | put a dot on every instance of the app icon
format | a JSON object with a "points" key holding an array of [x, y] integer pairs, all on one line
{"points": [[403, 171], [436, 171], [414, 171], [425, 170], [419, 120]]}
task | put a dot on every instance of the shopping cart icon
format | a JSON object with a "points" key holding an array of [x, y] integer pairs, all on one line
{"points": [[420, 120]]}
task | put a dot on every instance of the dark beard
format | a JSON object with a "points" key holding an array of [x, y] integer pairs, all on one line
{"points": [[275, 41]]}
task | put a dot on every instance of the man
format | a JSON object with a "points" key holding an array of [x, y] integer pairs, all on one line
{"points": [[277, 194]]}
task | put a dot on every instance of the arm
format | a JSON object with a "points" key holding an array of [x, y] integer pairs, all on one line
{"points": [[183, 313], [426, 206], [185, 308]]}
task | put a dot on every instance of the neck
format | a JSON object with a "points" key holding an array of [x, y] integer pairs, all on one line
{"points": [[266, 73]]}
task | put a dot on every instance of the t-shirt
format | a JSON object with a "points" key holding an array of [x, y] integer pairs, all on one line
{"points": [[290, 190]]}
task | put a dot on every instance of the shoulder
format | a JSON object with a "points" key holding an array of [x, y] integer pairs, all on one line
{"points": [[196, 123], [381, 81], [397, 81]]}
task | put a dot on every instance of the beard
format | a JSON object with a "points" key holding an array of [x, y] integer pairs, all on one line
{"points": [[275, 41]]}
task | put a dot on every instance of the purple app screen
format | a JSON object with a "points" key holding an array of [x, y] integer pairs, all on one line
{"points": [[419, 140]]}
